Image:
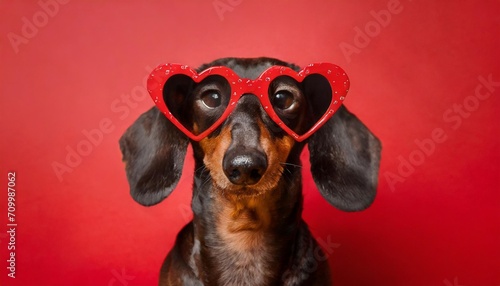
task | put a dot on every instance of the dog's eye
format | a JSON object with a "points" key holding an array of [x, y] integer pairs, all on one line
{"points": [[282, 100], [211, 99]]}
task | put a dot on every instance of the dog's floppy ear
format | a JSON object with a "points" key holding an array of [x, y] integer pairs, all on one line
{"points": [[153, 150], [345, 159]]}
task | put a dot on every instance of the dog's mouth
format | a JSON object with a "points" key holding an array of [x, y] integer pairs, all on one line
{"points": [[240, 191], [267, 183], [243, 191]]}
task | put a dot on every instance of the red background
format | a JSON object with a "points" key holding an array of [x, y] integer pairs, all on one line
{"points": [[433, 223]]}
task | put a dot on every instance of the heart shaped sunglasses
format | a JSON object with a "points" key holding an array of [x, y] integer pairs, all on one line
{"points": [[333, 74]]}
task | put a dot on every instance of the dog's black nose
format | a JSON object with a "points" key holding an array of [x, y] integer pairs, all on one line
{"points": [[244, 168]]}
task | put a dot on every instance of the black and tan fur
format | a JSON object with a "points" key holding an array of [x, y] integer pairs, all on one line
{"points": [[249, 232]]}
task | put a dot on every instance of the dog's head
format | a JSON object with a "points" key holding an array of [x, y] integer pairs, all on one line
{"points": [[247, 153]]}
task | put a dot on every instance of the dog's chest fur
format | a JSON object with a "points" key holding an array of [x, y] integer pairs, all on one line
{"points": [[240, 267], [244, 248]]}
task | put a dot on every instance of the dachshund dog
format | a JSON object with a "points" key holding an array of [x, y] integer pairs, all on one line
{"points": [[247, 199]]}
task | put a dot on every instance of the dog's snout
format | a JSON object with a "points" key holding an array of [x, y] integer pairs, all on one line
{"points": [[244, 168], [244, 162]]}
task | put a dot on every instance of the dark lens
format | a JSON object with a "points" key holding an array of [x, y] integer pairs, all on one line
{"points": [[176, 93]]}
